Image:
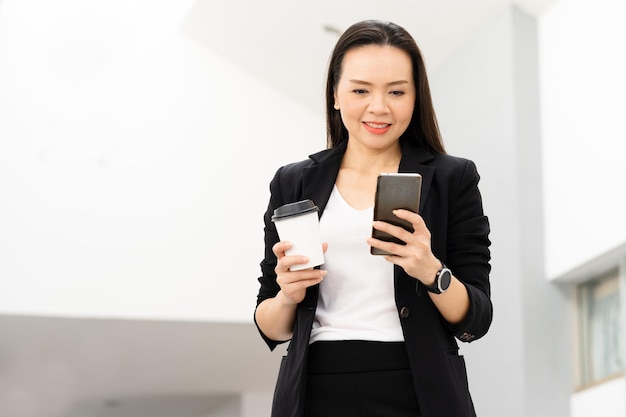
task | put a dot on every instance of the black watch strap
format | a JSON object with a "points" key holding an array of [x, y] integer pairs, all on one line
{"points": [[442, 281]]}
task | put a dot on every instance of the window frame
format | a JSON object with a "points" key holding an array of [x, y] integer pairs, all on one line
{"points": [[568, 281], [583, 355]]}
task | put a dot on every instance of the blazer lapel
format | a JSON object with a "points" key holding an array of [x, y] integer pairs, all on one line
{"points": [[318, 180], [414, 159]]}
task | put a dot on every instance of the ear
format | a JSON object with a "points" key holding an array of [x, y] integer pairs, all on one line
{"points": [[336, 106]]}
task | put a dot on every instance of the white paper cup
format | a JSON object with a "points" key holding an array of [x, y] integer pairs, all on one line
{"points": [[299, 224]]}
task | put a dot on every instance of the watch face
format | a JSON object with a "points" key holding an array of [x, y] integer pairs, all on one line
{"points": [[445, 279]]}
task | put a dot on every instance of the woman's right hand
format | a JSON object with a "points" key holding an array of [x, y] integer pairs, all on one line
{"points": [[293, 284]]}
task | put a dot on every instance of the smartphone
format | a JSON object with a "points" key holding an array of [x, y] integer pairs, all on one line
{"points": [[395, 191]]}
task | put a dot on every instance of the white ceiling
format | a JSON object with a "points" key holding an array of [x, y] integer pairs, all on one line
{"points": [[56, 367], [64, 367], [286, 43]]}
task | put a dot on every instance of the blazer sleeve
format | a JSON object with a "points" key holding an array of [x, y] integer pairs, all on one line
{"points": [[269, 287], [468, 253]]}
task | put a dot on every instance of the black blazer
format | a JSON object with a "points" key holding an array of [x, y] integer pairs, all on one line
{"points": [[452, 209]]}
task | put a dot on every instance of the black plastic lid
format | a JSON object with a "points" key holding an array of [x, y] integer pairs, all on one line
{"points": [[294, 209]]}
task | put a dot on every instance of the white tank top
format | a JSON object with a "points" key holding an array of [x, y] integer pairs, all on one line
{"points": [[356, 300]]}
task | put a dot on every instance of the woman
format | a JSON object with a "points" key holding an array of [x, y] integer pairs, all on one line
{"points": [[375, 335]]}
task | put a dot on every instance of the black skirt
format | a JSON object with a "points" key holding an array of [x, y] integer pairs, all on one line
{"points": [[359, 379]]}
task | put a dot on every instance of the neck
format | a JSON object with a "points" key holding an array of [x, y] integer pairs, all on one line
{"points": [[367, 160]]}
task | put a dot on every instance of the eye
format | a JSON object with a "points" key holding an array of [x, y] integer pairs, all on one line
{"points": [[359, 91], [397, 93]]}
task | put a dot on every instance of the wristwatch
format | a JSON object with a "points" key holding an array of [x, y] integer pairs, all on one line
{"points": [[442, 281]]}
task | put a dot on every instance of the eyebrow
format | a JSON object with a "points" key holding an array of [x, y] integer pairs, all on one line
{"points": [[399, 82]]}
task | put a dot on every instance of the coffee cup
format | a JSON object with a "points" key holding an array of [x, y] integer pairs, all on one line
{"points": [[298, 223]]}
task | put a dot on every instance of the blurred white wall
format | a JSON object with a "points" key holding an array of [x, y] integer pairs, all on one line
{"points": [[133, 165], [583, 92]]}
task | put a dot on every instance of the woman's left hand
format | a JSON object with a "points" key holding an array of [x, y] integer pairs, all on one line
{"points": [[416, 257]]}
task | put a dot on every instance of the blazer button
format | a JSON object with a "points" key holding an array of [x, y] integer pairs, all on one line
{"points": [[404, 312], [467, 337]]}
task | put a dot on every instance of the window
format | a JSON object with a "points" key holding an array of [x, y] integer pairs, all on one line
{"points": [[599, 316]]}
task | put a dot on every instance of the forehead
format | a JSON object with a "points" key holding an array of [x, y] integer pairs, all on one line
{"points": [[377, 63]]}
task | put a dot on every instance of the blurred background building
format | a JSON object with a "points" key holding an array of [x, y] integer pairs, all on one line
{"points": [[137, 141]]}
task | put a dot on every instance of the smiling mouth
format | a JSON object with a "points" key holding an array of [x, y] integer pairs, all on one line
{"points": [[377, 128], [377, 125]]}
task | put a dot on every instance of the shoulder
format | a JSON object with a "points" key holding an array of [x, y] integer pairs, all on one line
{"points": [[287, 181], [293, 170], [452, 163], [444, 165], [296, 169], [455, 168]]}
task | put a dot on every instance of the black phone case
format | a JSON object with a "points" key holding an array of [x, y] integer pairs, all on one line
{"points": [[395, 191]]}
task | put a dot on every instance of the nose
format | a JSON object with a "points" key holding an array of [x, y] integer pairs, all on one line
{"points": [[378, 104]]}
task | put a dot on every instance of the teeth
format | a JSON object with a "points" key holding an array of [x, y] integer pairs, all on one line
{"points": [[377, 126]]}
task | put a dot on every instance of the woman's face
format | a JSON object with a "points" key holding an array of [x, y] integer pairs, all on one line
{"points": [[375, 95]]}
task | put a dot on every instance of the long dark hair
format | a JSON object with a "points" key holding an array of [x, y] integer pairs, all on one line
{"points": [[423, 128]]}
